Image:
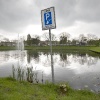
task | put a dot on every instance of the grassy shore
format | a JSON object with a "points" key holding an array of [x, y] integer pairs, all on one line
{"points": [[96, 49], [11, 89], [2, 48], [60, 48], [56, 48]]}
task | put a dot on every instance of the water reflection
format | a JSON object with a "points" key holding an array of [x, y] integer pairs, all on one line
{"points": [[79, 69], [85, 59], [32, 55], [64, 58]]}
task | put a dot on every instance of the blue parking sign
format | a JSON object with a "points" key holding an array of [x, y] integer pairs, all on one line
{"points": [[47, 18]]}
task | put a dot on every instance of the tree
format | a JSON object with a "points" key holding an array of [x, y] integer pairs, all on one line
{"points": [[64, 37], [35, 40], [92, 39], [82, 39], [29, 39], [74, 42], [46, 37]]}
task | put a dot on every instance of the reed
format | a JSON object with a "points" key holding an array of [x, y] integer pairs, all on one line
{"points": [[27, 74], [13, 72], [30, 74]]}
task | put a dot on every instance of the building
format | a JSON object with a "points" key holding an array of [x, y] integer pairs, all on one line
{"points": [[4, 43]]}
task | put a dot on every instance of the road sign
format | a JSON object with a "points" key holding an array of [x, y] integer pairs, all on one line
{"points": [[48, 18], [48, 23]]}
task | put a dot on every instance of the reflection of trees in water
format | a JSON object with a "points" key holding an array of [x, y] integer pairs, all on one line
{"points": [[32, 55], [64, 59], [28, 57], [4, 57], [92, 60], [84, 58], [46, 61], [58, 59]]}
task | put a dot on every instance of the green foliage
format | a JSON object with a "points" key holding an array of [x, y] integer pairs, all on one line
{"points": [[32, 41], [10, 79], [20, 74], [63, 40], [13, 72], [30, 74], [2, 48], [35, 41], [96, 49], [14, 90], [93, 42]]}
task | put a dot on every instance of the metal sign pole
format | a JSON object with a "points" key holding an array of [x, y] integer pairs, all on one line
{"points": [[52, 68], [48, 23]]}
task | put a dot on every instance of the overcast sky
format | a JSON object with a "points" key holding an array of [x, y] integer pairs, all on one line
{"points": [[72, 16]]}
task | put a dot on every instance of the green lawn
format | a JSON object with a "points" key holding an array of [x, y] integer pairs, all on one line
{"points": [[11, 89], [95, 49], [7, 48], [56, 48]]}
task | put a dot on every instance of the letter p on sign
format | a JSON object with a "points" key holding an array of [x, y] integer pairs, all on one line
{"points": [[48, 18]]}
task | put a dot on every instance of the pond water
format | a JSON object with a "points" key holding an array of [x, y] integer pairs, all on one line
{"points": [[80, 70]]}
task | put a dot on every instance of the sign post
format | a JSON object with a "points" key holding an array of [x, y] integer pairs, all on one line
{"points": [[52, 67], [48, 23]]}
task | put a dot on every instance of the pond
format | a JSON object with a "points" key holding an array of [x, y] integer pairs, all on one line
{"points": [[80, 70]]}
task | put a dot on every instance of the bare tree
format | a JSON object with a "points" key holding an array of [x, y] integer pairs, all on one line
{"points": [[82, 39], [46, 37], [36, 37], [91, 37], [64, 37]]}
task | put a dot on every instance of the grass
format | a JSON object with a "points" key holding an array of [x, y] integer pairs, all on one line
{"points": [[60, 48], [55, 48], [96, 49], [10, 89], [7, 48]]}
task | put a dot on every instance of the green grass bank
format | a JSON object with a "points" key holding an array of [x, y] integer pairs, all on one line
{"points": [[96, 50], [55, 48], [59, 47], [11, 89], [3, 48], [63, 48]]}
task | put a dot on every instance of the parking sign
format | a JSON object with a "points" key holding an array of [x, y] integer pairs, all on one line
{"points": [[48, 18]]}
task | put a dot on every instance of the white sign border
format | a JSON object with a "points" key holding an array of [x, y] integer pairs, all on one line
{"points": [[46, 27]]}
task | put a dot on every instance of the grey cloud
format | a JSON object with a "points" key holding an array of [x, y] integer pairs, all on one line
{"points": [[88, 10], [69, 11], [15, 15]]}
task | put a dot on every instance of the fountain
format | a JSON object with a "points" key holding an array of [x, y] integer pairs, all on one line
{"points": [[20, 44], [20, 50]]}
